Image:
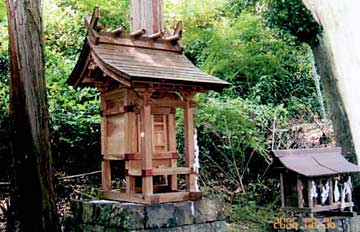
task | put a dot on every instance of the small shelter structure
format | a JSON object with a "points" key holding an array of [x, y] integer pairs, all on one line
{"points": [[311, 180], [143, 78]]}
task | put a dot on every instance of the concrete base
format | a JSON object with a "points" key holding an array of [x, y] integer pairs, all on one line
{"points": [[112, 216]]}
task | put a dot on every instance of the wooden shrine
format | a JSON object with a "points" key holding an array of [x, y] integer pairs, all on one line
{"points": [[314, 180], [143, 78]]}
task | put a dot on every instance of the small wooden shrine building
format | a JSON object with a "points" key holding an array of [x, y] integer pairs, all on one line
{"points": [[314, 180], [143, 78]]}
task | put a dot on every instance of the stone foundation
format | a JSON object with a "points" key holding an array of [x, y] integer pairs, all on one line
{"points": [[111, 216]]}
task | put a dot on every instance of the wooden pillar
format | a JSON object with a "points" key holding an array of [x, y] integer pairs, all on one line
{"points": [[172, 148], [299, 192], [331, 192], [105, 164], [105, 175], [282, 192], [131, 148], [189, 141], [146, 147]]}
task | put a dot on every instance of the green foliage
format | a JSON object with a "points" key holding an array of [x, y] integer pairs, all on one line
{"points": [[4, 72], [231, 40], [199, 19], [261, 67], [250, 215], [292, 17], [232, 136], [2, 10], [114, 13]]}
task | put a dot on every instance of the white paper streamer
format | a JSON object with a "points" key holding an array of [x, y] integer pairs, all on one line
{"points": [[336, 191], [196, 161], [313, 189], [325, 192]]}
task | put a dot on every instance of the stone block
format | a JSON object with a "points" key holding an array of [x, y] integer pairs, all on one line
{"points": [[219, 226], [87, 212], [208, 210], [184, 213], [113, 216], [76, 209], [355, 224], [102, 211], [160, 215], [127, 216], [89, 228], [169, 214]]}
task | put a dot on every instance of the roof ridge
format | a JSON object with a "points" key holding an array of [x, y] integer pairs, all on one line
{"points": [[137, 38]]}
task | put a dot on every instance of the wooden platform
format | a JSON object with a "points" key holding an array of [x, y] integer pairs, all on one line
{"points": [[151, 199]]}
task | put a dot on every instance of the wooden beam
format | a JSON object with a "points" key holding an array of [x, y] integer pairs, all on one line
{"points": [[156, 36], [119, 30], [153, 199], [130, 185], [119, 196], [104, 149], [114, 157], [299, 192], [146, 143], [189, 141], [318, 208], [172, 197], [173, 38], [106, 175], [137, 33], [138, 156], [282, 192], [310, 199], [179, 28], [321, 208], [162, 171], [331, 191], [140, 42], [173, 103], [172, 147]]}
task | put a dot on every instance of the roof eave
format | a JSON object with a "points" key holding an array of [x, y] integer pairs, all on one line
{"points": [[79, 69]]}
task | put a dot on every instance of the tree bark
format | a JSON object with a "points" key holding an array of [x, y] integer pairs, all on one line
{"points": [[34, 196], [147, 14]]}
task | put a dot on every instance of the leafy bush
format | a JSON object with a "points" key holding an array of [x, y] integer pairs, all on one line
{"points": [[233, 137], [260, 66]]}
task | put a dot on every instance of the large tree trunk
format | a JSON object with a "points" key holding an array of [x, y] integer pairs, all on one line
{"points": [[147, 14], [34, 196], [338, 60]]}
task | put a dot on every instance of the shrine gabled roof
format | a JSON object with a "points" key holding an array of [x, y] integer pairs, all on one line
{"points": [[315, 162], [137, 57]]}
